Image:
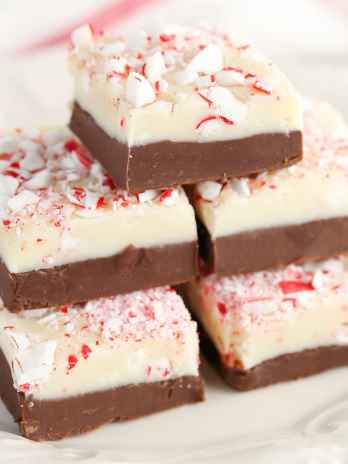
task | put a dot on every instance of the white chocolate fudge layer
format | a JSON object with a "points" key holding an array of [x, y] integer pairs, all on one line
{"points": [[140, 337], [55, 203], [256, 317], [183, 84], [315, 188]]}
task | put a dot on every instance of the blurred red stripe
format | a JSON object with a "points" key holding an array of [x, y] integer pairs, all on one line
{"points": [[109, 15]]}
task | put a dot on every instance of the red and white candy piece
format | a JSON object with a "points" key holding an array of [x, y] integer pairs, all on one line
{"points": [[185, 77], [139, 91], [148, 195], [34, 363], [22, 200], [241, 186], [155, 67], [209, 190], [230, 77], [226, 104], [207, 61]]}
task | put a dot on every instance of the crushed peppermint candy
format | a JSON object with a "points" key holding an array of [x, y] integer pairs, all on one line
{"points": [[257, 299], [209, 190], [51, 175], [162, 66], [325, 153], [65, 337]]}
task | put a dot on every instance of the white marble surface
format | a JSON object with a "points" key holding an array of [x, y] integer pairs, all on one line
{"points": [[304, 422]]}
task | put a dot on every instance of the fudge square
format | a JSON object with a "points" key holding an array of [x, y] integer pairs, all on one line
{"points": [[269, 327], [68, 370], [291, 215], [67, 234], [181, 106]]}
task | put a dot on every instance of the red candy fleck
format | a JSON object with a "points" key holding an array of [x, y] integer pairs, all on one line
{"points": [[72, 361], [15, 165], [206, 99], [71, 145], [112, 74], [6, 222], [24, 387], [166, 372], [85, 350], [157, 86], [109, 182], [165, 194], [261, 88], [166, 37], [213, 117], [148, 371], [122, 122], [293, 286], [222, 308], [79, 193], [101, 202], [232, 68], [64, 309], [11, 173], [250, 75], [84, 160]]}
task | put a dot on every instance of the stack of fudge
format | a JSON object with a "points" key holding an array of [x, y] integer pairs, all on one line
{"points": [[190, 162]]}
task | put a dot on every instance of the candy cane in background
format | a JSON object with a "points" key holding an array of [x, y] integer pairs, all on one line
{"points": [[109, 15]]}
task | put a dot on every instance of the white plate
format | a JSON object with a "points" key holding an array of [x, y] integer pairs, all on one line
{"points": [[305, 421]]}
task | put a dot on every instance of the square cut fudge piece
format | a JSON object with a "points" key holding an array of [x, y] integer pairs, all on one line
{"points": [[276, 218], [68, 370], [67, 234], [181, 106], [269, 327]]}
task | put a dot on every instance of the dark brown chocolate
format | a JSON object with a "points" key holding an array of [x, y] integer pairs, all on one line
{"points": [[133, 269], [57, 419], [283, 368], [273, 247], [163, 164]]}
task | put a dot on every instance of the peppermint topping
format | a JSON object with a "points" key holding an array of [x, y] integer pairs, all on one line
{"points": [[155, 67], [51, 176], [257, 299], [139, 90], [325, 153], [207, 61], [166, 66], [33, 363], [63, 338], [209, 190]]}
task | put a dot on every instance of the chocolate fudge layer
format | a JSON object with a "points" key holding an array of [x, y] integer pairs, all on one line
{"points": [[184, 106], [163, 163], [268, 327], [73, 369], [284, 368], [67, 234], [276, 218]]}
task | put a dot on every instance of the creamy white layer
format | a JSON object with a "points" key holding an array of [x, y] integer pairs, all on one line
{"points": [[260, 316], [189, 84], [140, 337], [316, 188], [55, 202]]}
